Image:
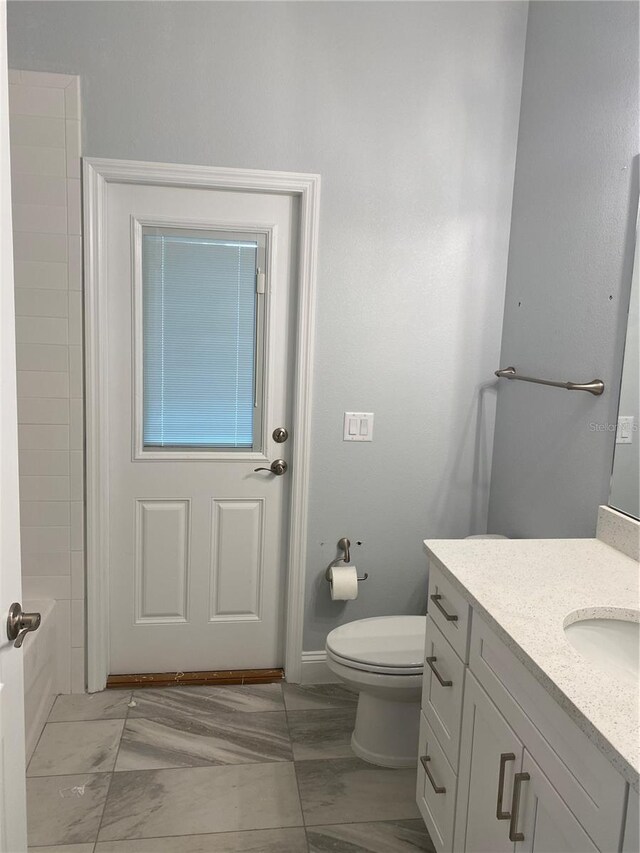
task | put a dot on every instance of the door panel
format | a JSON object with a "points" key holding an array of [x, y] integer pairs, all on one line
{"points": [[545, 820], [162, 560], [236, 570], [487, 744], [196, 552]]}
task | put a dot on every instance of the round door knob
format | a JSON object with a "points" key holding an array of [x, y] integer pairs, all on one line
{"points": [[19, 624], [277, 467], [280, 434]]}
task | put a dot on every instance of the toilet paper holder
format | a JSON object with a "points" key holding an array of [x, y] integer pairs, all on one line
{"points": [[344, 545]]}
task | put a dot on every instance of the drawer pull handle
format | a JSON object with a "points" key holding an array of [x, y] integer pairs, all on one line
{"points": [[443, 681], [518, 779], [450, 617], [439, 789], [506, 756]]}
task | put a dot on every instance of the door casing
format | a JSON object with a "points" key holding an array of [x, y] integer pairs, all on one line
{"points": [[13, 809], [97, 173]]}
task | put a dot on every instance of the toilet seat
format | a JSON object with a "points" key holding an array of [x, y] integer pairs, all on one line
{"points": [[391, 645], [372, 667]]}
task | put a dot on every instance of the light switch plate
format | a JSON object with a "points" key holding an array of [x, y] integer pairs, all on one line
{"points": [[358, 426], [625, 431]]}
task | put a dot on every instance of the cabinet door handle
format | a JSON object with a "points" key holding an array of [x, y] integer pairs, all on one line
{"points": [[450, 617], [506, 756], [439, 789], [443, 681], [518, 779]]}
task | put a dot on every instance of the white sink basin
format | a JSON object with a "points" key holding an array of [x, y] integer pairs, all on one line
{"points": [[611, 641]]}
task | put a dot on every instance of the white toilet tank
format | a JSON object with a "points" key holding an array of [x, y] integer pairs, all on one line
{"points": [[487, 536]]}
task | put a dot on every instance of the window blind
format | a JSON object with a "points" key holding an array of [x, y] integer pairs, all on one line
{"points": [[199, 330]]}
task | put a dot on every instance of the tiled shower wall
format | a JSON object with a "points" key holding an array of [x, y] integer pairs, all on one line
{"points": [[44, 112]]}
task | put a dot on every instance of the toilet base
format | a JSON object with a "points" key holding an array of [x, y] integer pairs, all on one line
{"points": [[386, 732]]}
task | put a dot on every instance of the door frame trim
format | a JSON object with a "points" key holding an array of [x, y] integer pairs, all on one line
{"points": [[97, 173]]}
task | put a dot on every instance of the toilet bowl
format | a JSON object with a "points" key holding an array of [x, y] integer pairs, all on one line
{"points": [[382, 659]]}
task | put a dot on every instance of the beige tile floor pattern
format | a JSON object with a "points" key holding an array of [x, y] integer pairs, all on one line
{"points": [[251, 769]]}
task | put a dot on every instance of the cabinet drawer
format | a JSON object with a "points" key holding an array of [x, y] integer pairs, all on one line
{"points": [[442, 691], [450, 611], [436, 789], [580, 773]]}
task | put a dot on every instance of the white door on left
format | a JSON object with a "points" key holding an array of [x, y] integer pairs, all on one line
{"points": [[13, 813]]}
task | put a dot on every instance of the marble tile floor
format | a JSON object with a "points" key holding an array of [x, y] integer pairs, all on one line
{"points": [[253, 769]]}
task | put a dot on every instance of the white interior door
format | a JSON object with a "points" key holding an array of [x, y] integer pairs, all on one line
{"points": [[199, 367], [13, 819]]}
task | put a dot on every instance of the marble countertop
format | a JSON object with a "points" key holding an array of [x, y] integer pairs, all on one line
{"points": [[525, 589]]}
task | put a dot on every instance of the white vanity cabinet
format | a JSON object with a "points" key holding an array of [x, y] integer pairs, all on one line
{"points": [[506, 802], [502, 766]]}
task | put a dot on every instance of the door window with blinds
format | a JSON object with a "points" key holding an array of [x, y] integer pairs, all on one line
{"points": [[202, 319]]}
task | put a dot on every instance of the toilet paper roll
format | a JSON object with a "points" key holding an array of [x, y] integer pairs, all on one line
{"points": [[344, 583]]}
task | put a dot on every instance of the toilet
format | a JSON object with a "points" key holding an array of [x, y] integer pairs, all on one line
{"points": [[382, 659]]}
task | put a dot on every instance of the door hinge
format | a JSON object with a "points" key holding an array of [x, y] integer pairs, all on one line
{"points": [[260, 281]]}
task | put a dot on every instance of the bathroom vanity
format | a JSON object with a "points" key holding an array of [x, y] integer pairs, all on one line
{"points": [[526, 743]]}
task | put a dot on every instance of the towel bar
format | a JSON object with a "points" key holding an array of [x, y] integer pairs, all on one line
{"points": [[595, 387]]}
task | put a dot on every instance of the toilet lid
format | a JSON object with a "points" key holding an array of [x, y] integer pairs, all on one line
{"points": [[387, 641]]}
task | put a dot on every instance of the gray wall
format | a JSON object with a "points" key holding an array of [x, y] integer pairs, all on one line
{"points": [[409, 112], [572, 235], [625, 478]]}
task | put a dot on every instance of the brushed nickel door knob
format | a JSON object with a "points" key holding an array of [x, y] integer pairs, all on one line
{"points": [[19, 624]]}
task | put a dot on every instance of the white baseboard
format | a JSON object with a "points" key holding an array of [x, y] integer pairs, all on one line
{"points": [[314, 669]]}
